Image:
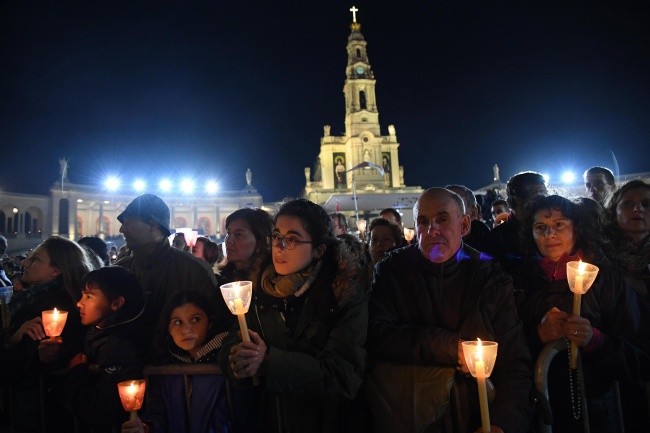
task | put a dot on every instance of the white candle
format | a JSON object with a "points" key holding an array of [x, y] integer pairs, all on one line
{"points": [[479, 367], [577, 302], [240, 311]]}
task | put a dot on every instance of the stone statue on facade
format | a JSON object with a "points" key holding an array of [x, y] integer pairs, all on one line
{"points": [[63, 168]]}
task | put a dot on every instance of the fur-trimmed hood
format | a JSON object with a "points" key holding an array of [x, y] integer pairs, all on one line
{"points": [[347, 282], [339, 271]]}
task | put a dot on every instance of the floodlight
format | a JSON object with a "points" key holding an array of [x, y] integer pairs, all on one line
{"points": [[568, 177], [165, 185], [211, 187], [139, 185], [187, 185], [112, 183]]}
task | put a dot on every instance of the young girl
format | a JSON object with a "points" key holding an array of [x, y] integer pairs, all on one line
{"points": [[189, 337]]}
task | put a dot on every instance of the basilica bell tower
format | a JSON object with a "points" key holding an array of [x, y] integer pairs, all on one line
{"points": [[362, 161]]}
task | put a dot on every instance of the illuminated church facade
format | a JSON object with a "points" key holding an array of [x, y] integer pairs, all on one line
{"points": [[362, 165]]}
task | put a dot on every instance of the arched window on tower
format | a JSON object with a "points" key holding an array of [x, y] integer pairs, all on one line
{"points": [[358, 53], [362, 100]]}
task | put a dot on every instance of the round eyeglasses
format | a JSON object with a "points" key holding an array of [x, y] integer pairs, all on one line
{"points": [[286, 242]]}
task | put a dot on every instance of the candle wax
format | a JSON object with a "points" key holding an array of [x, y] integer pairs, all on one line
{"points": [[482, 395]]}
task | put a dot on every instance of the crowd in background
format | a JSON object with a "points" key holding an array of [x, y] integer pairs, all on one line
{"points": [[349, 331]]}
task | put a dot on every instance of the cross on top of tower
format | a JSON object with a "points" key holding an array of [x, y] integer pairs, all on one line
{"points": [[354, 11]]}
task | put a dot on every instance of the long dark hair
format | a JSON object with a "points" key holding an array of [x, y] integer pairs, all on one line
{"points": [[71, 259], [315, 219], [585, 234]]}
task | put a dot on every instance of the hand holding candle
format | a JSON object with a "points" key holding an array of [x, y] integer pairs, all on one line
{"points": [[480, 357], [581, 276], [53, 322], [132, 395], [237, 296]]}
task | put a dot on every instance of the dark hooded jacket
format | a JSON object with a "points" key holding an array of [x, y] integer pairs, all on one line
{"points": [[167, 409], [166, 271], [314, 366], [619, 349], [419, 311], [22, 360], [114, 353]]}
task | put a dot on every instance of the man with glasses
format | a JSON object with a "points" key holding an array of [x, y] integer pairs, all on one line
{"points": [[427, 298]]}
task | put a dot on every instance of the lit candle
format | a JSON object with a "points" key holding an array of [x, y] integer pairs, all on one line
{"points": [[241, 317], [53, 322], [480, 357], [237, 296], [132, 395], [479, 366], [578, 288]]}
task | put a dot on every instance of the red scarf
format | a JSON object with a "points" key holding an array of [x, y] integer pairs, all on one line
{"points": [[555, 271]]}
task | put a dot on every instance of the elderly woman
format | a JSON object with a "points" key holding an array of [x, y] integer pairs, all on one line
{"points": [[608, 331], [308, 323]]}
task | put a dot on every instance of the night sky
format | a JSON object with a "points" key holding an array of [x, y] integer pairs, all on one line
{"points": [[210, 88]]}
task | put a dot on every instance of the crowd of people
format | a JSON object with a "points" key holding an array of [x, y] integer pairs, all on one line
{"points": [[345, 334]]}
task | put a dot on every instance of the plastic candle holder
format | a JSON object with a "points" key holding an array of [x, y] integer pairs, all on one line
{"points": [[53, 322], [485, 351], [237, 296], [480, 357], [132, 395], [580, 275], [190, 237]]}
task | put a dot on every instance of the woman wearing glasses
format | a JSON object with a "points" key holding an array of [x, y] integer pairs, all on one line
{"points": [[308, 322], [607, 331]]}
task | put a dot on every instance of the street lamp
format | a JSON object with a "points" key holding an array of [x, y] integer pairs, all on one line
{"points": [[362, 164]]}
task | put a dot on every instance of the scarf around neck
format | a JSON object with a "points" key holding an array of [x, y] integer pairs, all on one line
{"points": [[555, 271], [282, 286]]}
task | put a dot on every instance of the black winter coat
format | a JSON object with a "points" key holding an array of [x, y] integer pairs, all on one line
{"points": [[114, 353], [617, 312], [315, 369], [420, 310]]}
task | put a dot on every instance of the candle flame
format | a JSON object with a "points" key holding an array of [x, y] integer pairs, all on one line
{"points": [[237, 289], [582, 267], [479, 349], [132, 388]]}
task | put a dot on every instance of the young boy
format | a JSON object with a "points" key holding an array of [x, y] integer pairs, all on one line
{"points": [[111, 304]]}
